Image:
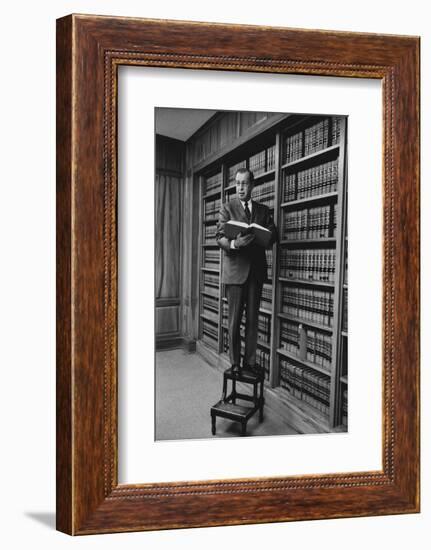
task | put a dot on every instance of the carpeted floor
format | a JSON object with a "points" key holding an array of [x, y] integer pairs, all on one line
{"points": [[186, 388]]}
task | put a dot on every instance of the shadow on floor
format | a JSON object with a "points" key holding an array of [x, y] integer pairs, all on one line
{"points": [[45, 518]]}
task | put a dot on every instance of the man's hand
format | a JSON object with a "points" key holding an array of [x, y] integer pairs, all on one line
{"points": [[243, 240]]}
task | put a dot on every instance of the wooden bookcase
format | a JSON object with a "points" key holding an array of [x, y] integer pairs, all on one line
{"points": [[299, 165]]}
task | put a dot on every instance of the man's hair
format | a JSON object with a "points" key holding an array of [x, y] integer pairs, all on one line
{"points": [[246, 171]]}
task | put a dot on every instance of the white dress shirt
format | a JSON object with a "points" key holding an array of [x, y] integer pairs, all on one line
{"points": [[250, 207]]}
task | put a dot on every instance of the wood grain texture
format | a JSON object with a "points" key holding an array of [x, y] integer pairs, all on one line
{"points": [[90, 49], [63, 288]]}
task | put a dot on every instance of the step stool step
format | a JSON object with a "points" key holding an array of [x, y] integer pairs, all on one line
{"points": [[233, 412]]}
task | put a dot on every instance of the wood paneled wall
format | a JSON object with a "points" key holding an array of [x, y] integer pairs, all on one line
{"points": [[223, 130]]}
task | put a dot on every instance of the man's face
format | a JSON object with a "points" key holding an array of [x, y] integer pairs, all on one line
{"points": [[243, 186]]}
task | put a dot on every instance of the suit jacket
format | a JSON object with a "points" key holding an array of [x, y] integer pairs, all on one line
{"points": [[238, 263]]}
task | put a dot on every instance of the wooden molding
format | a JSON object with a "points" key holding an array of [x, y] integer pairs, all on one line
{"points": [[89, 51]]}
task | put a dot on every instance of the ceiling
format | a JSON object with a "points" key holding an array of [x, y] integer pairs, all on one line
{"points": [[180, 123]]}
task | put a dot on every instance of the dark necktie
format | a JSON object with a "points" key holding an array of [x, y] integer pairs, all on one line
{"points": [[247, 212]]}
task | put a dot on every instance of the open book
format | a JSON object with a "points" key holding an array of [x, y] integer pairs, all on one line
{"points": [[262, 234]]}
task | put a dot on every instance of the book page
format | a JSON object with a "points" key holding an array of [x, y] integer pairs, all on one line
{"points": [[259, 226], [240, 224]]}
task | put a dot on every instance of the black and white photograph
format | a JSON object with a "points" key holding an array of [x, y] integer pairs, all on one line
{"points": [[251, 280]]}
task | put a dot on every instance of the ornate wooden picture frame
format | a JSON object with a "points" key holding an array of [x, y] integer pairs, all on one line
{"points": [[89, 51]]}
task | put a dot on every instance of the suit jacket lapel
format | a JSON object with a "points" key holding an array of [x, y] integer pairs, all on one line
{"points": [[239, 210]]}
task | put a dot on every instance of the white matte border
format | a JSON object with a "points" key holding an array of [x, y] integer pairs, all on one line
{"points": [[141, 459]]}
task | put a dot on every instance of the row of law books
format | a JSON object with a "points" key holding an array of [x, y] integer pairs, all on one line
{"points": [[264, 328], [209, 303], [293, 148], [316, 306], [225, 311], [211, 279], [311, 140], [211, 257], [210, 314], [212, 208], [308, 265], [316, 137], [311, 182], [336, 130], [269, 263], [270, 158], [319, 348], [308, 344], [266, 299], [344, 357], [225, 340], [213, 183], [290, 337], [318, 180], [265, 193], [209, 233], [263, 356], [309, 223], [345, 309], [210, 290], [344, 410], [306, 384], [263, 161], [257, 163], [345, 265], [209, 329]]}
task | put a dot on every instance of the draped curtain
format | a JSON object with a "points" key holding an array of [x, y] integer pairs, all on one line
{"points": [[167, 235]]}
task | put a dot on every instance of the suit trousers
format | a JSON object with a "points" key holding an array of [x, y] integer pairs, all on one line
{"points": [[246, 295]]}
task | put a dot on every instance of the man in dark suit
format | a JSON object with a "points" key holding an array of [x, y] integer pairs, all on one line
{"points": [[244, 268]]}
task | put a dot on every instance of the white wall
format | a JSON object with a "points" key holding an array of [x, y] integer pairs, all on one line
{"points": [[27, 298]]}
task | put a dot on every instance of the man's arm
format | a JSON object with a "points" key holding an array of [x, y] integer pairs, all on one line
{"points": [[221, 238], [226, 244]]}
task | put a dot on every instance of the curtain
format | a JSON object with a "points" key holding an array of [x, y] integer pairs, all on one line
{"points": [[168, 235]]}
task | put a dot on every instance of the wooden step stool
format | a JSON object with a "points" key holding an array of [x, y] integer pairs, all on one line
{"points": [[228, 407]]}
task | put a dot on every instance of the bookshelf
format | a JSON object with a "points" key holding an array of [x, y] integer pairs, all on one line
{"points": [[211, 187], [299, 169]]}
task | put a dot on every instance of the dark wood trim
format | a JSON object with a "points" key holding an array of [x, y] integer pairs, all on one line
{"points": [[90, 49], [253, 132], [335, 402], [174, 342], [64, 382], [274, 369], [163, 302]]}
